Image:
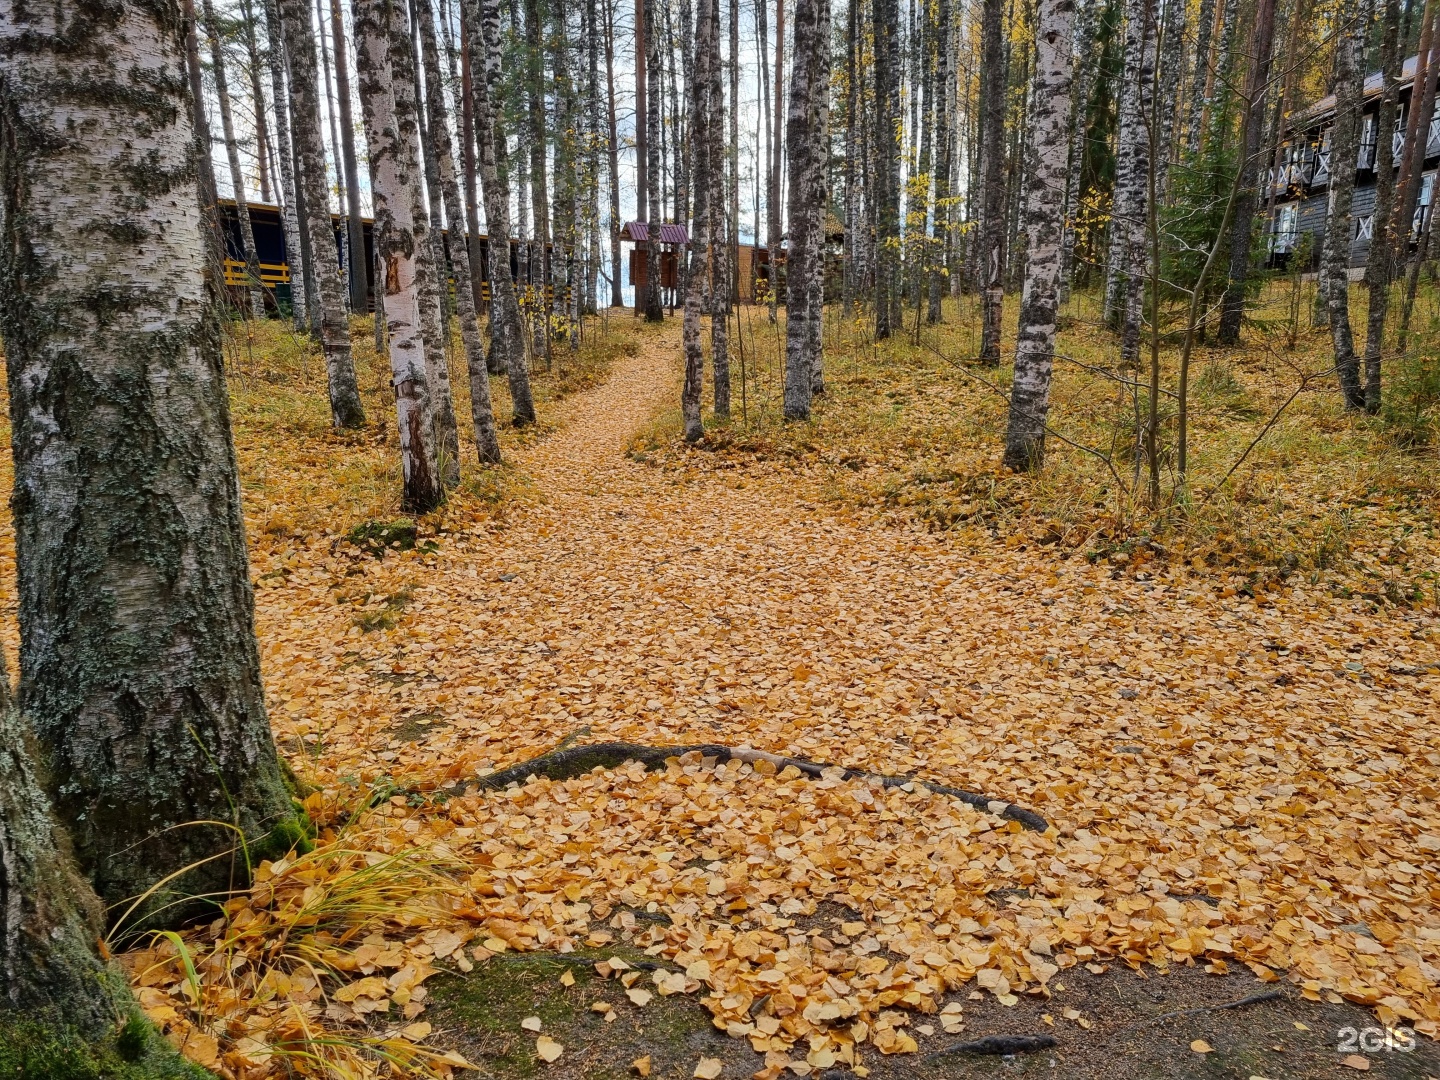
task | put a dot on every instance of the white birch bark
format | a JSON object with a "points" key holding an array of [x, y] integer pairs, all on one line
{"points": [[345, 405], [254, 290], [482, 414], [701, 88], [392, 176], [506, 330], [290, 220], [1044, 223]]}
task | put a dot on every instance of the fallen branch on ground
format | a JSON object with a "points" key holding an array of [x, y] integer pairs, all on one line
{"points": [[1253, 999], [568, 762], [998, 1044]]}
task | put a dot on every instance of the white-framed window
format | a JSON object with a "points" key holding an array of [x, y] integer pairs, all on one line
{"points": [[1287, 220], [1422, 204], [1366, 157], [1365, 227]]}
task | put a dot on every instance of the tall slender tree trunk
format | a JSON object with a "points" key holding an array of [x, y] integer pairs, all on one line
{"points": [[327, 71], [345, 407], [139, 672], [1044, 224], [1257, 79], [992, 179], [1200, 75], [732, 276], [290, 220], [774, 228], [254, 290], [1378, 267], [851, 170], [257, 96], [204, 166], [944, 159], [702, 86], [1086, 21], [482, 413], [393, 177], [885, 18], [719, 233], [1349, 78], [1132, 158], [654, 311], [472, 181], [354, 227], [612, 150], [507, 335], [804, 141], [1416, 139]]}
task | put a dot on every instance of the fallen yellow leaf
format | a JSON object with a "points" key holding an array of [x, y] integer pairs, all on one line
{"points": [[641, 1066], [1200, 1046], [548, 1048], [1356, 1062], [708, 1069]]}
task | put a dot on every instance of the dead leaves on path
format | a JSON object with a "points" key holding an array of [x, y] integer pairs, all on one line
{"points": [[1232, 783]]}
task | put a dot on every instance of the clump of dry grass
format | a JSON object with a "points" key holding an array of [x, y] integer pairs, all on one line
{"points": [[1281, 479]]}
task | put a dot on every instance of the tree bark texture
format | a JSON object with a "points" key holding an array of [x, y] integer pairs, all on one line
{"points": [[392, 179], [139, 672], [253, 289], [1044, 225], [885, 26], [507, 335], [355, 229], [702, 85], [290, 221], [345, 407], [992, 180], [1349, 79], [654, 211], [482, 413], [1379, 266]]}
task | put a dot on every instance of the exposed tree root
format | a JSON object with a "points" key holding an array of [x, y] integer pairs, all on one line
{"points": [[1253, 999], [999, 1045], [567, 762]]}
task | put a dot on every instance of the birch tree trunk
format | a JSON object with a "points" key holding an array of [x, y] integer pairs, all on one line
{"points": [[257, 96], [50, 918], [1349, 79], [1204, 33], [290, 221], [773, 226], [886, 149], [482, 413], [345, 407], [819, 198], [507, 335], [354, 227], [612, 150], [254, 290], [1086, 20], [1044, 224], [654, 211], [719, 247], [205, 168], [393, 177], [707, 33], [944, 159], [1131, 157], [992, 179], [139, 672], [429, 266]]}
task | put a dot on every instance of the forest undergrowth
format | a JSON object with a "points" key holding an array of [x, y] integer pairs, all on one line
{"points": [[1234, 782], [1281, 480]]}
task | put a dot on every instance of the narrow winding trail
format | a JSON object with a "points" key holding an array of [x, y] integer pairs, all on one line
{"points": [[1264, 754]]}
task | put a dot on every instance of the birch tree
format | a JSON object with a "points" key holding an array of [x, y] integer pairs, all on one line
{"points": [[1044, 223], [702, 86], [345, 407], [1344, 142], [885, 18], [992, 178], [354, 227], [139, 671], [253, 288], [482, 413], [507, 334], [289, 219]]}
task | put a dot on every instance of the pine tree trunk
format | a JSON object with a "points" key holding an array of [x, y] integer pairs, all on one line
{"points": [[289, 219], [354, 227], [139, 672], [1378, 267], [345, 407], [1232, 308], [507, 335], [991, 241], [1044, 224], [612, 150], [254, 290], [702, 86], [1349, 78], [482, 413]]}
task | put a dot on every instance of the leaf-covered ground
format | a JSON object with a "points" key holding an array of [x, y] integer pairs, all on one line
{"points": [[1232, 782]]}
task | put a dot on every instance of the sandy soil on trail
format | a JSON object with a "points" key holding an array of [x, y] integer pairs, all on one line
{"points": [[1278, 755]]}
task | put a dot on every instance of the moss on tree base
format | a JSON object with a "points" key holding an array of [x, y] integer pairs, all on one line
{"points": [[32, 1048]]}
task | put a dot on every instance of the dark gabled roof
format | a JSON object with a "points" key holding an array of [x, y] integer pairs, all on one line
{"points": [[1372, 89], [639, 232]]}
